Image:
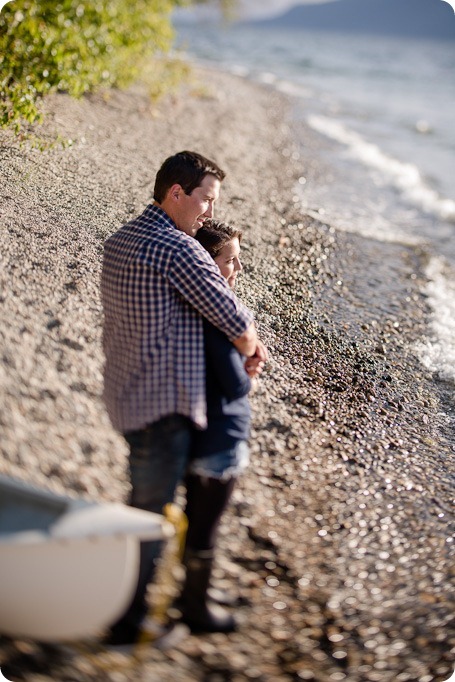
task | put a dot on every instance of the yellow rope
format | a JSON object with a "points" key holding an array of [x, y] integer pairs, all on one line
{"points": [[164, 584]]}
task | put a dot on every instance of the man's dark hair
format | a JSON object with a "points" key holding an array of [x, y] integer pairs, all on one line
{"points": [[213, 235], [187, 169]]}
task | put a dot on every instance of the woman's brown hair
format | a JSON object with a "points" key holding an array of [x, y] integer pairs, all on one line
{"points": [[213, 235]]}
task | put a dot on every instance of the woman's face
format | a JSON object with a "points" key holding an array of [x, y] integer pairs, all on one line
{"points": [[228, 261]]}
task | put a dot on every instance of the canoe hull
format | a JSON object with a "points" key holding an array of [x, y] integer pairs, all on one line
{"points": [[61, 590]]}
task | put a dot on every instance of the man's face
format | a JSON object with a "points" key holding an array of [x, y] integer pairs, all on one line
{"points": [[194, 208]]}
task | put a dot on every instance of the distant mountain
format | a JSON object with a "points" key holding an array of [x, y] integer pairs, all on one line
{"points": [[413, 18]]}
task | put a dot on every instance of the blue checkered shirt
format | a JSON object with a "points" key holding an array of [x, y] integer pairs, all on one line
{"points": [[157, 283]]}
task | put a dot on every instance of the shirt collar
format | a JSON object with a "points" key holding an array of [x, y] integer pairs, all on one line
{"points": [[155, 213]]}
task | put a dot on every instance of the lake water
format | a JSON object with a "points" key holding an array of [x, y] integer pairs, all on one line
{"points": [[386, 110]]}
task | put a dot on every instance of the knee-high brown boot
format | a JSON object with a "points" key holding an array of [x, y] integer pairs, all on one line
{"points": [[198, 612]]}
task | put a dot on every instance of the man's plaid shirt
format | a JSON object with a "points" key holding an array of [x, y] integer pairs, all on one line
{"points": [[156, 284]]}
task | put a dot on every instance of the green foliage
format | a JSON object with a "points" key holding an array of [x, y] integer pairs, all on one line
{"points": [[75, 46]]}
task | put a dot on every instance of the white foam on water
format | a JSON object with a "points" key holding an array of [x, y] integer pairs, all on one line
{"points": [[287, 87], [404, 176], [376, 227], [267, 78], [437, 353], [237, 70]]}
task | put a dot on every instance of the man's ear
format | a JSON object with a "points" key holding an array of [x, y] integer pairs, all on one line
{"points": [[175, 192]]}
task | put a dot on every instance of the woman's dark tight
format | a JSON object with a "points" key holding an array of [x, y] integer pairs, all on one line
{"points": [[206, 500]]}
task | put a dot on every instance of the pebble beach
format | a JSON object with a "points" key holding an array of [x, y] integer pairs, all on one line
{"points": [[338, 541]]}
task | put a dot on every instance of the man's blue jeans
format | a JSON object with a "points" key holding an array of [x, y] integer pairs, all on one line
{"points": [[158, 462]]}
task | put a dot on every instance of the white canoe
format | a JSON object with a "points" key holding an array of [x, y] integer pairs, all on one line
{"points": [[68, 567]]}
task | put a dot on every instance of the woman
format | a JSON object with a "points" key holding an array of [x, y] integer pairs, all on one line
{"points": [[220, 453]]}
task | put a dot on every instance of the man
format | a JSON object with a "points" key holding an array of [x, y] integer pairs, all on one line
{"points": [[157, 285]]}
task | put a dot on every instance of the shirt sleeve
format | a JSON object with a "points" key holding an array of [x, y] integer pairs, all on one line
{"points": [[197, 278], [225, 364]]}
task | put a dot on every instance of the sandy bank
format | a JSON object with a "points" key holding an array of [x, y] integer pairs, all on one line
{"points": [[337, 539]]}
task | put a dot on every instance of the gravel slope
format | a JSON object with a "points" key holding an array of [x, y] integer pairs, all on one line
{"points": [[338, 537]]}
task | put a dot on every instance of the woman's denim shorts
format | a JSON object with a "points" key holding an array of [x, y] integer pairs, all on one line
{"points": [[222, 465]]}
